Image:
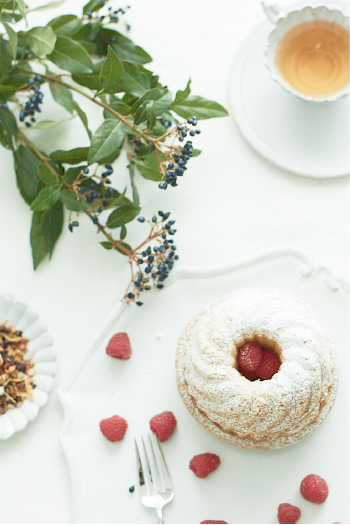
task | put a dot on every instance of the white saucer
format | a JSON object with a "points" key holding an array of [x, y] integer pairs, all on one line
{"points": [[308, 139]]}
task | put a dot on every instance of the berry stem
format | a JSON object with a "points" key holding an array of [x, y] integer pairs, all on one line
{"points": [[42, 157], [54, 79], [108, 236]]}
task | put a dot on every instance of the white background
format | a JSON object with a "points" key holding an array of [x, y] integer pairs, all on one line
{"points": [[230, 204]]}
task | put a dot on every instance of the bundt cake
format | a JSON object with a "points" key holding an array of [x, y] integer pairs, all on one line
{"points": [[237, 404]]}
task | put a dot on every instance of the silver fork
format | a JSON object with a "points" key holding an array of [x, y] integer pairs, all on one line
{"points": [[156, 488]]}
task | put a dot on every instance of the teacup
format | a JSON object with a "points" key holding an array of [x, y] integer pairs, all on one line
{"points": [[307, 52]]}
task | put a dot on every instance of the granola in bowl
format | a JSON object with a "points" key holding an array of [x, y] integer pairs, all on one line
{"points": [[27, 365], [16, 369]]}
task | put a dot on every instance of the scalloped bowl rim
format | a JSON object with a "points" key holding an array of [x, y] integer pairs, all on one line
{"points": [[40, 342]]}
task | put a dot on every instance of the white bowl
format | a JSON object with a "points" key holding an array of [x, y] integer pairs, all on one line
{"points": [[283, 24], [23, 318]]}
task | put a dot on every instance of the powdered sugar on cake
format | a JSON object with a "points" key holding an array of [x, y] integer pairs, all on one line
{"points": [[257, 414]]}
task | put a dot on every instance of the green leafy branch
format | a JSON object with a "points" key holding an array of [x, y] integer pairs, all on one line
{"points": [[88, 57]]}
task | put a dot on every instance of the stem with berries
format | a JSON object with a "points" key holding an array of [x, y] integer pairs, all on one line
{"points": [[88, 57]]}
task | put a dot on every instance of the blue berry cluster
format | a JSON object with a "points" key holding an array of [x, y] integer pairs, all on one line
{"points": [[181, 156], [177, 167], [32, 105], [111, 16], [138, 145], [94, 193], [72, 225], [155, 264], [166, 123], [183, 130]]}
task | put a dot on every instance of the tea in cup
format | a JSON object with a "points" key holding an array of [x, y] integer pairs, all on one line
{"points": [[308, 52]]}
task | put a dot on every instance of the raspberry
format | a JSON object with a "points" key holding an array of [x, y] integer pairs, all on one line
{"points": [[249, 375], [213, 521], [119, 346], [113, 428], [268, 366], [314, 488], [288, 513], [249, 357], [204, 464], [163, 425]]}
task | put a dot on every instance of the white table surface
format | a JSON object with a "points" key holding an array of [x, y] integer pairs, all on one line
{"points": [[231, 204]]}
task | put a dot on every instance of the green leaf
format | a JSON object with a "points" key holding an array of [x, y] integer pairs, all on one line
{"points": [[50, 5], [39, 244], [140, 115], [5, 62], [17, 78], [48, 124], [200, 107], [70, 200], [135, 80], [9, 12], [46, 175], [150, 115], [108, 138], [72, 156], [107, 245], [169, 116], [8, 128], [47, 197], [91, 6], [89, 46], [123, 233], [65, 25], [122, 45], [182, 95], [111, 71], [128, 99], [81, 115], [22, 8], [13, 40], [160, 97], [135, 193], [26, 166], [122, 216], [147, 172], [62, 96], [149, 168], [71, 56], [6, 91], [46, 229], [146, 112], [91, 81], [41, 40], [88, 34], [118, 106]]}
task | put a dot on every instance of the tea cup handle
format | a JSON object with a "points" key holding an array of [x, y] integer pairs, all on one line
{"points": [[272, 11]]}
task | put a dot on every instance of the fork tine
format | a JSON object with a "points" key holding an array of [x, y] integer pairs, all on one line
{"points": [[158, 478], [164, 469], [140, 470], [150, 479]]}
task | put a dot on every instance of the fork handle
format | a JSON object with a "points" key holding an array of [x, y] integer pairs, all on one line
{"points": [[160, 515]]}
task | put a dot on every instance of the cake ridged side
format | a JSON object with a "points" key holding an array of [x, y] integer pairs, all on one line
{"points": [[260, 414]]}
